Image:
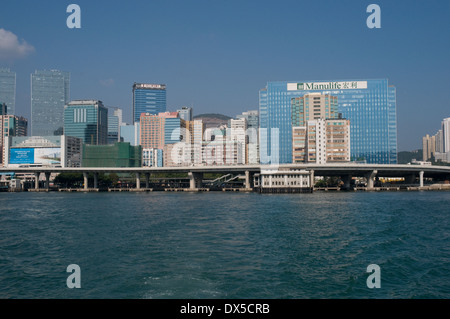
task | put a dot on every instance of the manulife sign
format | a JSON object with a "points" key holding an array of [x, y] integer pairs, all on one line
{"points": [[316, 86]]}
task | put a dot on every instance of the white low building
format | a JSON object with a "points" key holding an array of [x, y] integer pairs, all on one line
{"points": [[284, 180]]}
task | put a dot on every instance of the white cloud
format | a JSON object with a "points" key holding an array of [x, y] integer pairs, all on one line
{"points": [[107, 82], [11, 47]]}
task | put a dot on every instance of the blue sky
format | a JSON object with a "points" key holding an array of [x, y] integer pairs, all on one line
{"points": [[217, 55]]}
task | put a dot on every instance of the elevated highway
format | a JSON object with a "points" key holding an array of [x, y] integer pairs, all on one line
{"points": [[346, 171]]}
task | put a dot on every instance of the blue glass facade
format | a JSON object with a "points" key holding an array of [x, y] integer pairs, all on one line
{"points": [[185, 113], [49, 94], [148, 98], [172, 130], [370, 105], [130, 133], [8, 90], [87, 120], [113, 129]]}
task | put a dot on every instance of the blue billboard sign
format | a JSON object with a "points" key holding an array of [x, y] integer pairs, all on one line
{"points": [[21, 156]]}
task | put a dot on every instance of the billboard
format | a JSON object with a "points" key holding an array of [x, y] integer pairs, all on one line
{"points": [[44, 156], [21, 156], [47, 156], [317, 86]]}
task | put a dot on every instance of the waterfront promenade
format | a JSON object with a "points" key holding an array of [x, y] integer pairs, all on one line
{"points": [[413, 175]]}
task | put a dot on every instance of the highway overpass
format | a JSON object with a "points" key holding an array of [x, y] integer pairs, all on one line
{"points": [[346, 171]]}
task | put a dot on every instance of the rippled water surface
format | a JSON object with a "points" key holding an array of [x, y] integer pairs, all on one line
{"points": [[225, 245]]}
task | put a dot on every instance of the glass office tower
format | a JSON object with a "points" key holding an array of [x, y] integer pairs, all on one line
{"points": [[87, 120], [148, 98], [50, 91], [113, 129], [8, 90], [173, 129], [252, 118], [370, 105], [185, 113]]}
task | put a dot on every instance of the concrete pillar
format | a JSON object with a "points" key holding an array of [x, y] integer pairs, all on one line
{"points": [[138, 180], [421, 178], [301, 181], [192, 183], [47, 180], [147, 180], [247, 179], [311, 180], [96, 180], [36, 180], [86, 180], [370, 179]]}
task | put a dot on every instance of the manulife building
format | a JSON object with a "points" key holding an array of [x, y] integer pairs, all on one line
{"points": [[370, 105]]}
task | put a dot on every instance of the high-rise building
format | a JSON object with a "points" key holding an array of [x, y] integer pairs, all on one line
{"points": [[174, 128], [148, 98], [443, 142], [428, 147], [87, 120], [446, 135], [338, 140], [252, 118], [319, 134], [130, 133], [165, 131], [8, 89], [11, 125], [113, 129], [185, 113], [119, 113], [313, 106], [216, 149], [438, 146], [153, 132], [439, 139], [178, 154], [195, 131], [309, 142], [3, 109], [238, 132], [369, 105], [299, 144], [115, 122], [222, 151], [50, 92]]}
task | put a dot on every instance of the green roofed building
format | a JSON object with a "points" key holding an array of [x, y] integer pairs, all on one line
{"points": [[120, 154]]}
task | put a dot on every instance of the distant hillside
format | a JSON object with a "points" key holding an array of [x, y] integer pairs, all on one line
{"points": [[212, 119], [406, 157], [213, 115]]}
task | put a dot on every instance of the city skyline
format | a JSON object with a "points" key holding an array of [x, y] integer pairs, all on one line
{"points": [[218, 56]]}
